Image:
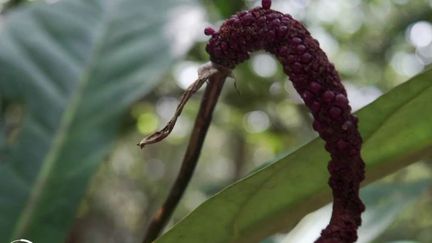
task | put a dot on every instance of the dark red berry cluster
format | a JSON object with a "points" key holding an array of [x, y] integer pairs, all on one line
{"points": [[318, 83]]}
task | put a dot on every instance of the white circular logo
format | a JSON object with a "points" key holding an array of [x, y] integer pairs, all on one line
{"points": [[21, 241]]}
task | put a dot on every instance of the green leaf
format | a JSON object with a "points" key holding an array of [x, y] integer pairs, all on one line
{"points": [[397, 131], [75, 66], [384, 202]]}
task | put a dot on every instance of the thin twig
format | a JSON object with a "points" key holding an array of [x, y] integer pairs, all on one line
{"points": [[205, 72], [202, 122]]}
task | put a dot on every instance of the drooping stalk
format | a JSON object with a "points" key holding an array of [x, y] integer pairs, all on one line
{"points": [[216, 79]]}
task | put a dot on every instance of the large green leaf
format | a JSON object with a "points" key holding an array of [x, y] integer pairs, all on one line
{"points": [[397, 131], [75, 66]]}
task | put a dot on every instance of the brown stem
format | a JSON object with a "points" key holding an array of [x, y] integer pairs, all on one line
{"points": [[202, 122], [204, 73], [239, 154]]}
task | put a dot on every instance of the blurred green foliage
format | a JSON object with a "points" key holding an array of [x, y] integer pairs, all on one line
{"points": [[375, 46]]}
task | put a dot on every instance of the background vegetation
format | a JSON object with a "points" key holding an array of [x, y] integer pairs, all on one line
{"points": [[81, 81]]}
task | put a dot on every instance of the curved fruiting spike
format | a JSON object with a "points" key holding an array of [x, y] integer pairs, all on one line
{"points": [[316, 79]]}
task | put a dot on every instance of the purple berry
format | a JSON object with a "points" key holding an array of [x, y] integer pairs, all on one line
{"points": [[296, 40], [341, 144], [209, 31], [317, 126], [328, 96], [266, 4], [300, 48], [315, 87], [248, 18], [347, 125], [315, 107], [335, 112], [306, 58], [281, 31], [341, 100], [307, 96], [276, 23]]}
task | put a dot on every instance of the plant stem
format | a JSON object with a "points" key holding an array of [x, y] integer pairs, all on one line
{"points": [[190, 159]]}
